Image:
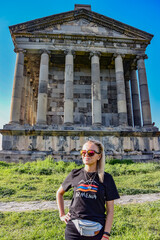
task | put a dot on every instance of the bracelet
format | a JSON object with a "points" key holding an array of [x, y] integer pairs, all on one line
{"points": [[107, 233], [106, 237]]}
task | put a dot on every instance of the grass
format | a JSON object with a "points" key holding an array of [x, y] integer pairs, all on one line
{"points": [[40, 180], [140, 221]]}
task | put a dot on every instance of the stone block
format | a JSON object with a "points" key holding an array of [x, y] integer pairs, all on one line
{"points": [[104, 94], [82, 104], [68, 28], [85, 95], [99, 44], [7, 143], [53, 104], [76, 118]]}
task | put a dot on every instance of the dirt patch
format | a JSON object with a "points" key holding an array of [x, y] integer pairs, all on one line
{"points": [[50, 205]]}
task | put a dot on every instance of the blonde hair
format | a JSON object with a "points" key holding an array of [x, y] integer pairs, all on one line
{"points": [[101, 162]]}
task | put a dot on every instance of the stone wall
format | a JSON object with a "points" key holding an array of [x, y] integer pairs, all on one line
{"points": [[81, 94], [66, 144], [55, 112]]}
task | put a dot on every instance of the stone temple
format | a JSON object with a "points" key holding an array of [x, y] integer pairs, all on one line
{"points": [[79, 75]]}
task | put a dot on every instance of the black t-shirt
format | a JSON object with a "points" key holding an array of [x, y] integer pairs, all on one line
{"points": [[90, 194]]}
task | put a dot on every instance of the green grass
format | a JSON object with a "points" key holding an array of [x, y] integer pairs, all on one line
{"points": [[138, 221], [40, 180]]}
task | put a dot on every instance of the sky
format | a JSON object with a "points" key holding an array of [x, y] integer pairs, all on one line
{"points": [[141, 14]]}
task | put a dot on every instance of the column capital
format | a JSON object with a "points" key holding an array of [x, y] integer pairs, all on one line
{"points": [[95, 53], [144, 56], [118, 54], [19, 50], [41, 51], [69, 51]]}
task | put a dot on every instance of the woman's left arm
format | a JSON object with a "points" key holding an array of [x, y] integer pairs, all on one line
{"points": [[109, 218]]}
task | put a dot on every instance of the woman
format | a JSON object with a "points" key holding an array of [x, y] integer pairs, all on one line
{"points": [[94, 192]]}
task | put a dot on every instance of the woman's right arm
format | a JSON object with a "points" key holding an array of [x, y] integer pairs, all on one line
{"points": [[60, 202]]}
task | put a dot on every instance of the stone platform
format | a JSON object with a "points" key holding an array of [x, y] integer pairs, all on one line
{"points": [[27, 143]]}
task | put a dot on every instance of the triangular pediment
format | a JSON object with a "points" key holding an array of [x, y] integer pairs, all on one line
{"points": [[82, 27], [81, 22]]}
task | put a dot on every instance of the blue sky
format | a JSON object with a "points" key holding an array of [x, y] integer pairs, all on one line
{"points": [[142, 14]]}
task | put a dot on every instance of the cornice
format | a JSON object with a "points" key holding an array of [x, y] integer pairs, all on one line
{"points": [[75, 36]]}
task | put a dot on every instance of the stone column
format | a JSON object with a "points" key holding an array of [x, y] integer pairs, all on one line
{"points": [[121, 95], [26, 101], [68, 88], [128, 100], [17, 89], [31, 105], [96, 89], [29, 100], [42, 90], [26, 118], [135, 99], [34, 110], [23, 103], [143, 85]]}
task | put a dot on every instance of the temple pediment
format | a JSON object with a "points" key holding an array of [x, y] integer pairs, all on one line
{"points": [[82, 27], [80, 22]]}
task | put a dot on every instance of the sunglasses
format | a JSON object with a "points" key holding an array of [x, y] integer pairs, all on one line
{"points": [[89, 152]]}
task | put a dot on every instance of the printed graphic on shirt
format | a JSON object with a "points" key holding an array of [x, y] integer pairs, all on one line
{"points": [[87, 189]]}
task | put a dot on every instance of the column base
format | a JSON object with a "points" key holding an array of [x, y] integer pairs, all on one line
{"points": [[124, 126], [148, 124], [68, 123], [97, 124], [14, 123], [150, 127], [41, 123]]}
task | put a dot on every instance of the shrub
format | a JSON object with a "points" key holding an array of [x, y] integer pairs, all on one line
{"points": [[116, 161], [4, 164], [6, 191]]}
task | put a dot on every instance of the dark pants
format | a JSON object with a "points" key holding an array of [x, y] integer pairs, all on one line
{"points": [[71, 233]]}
